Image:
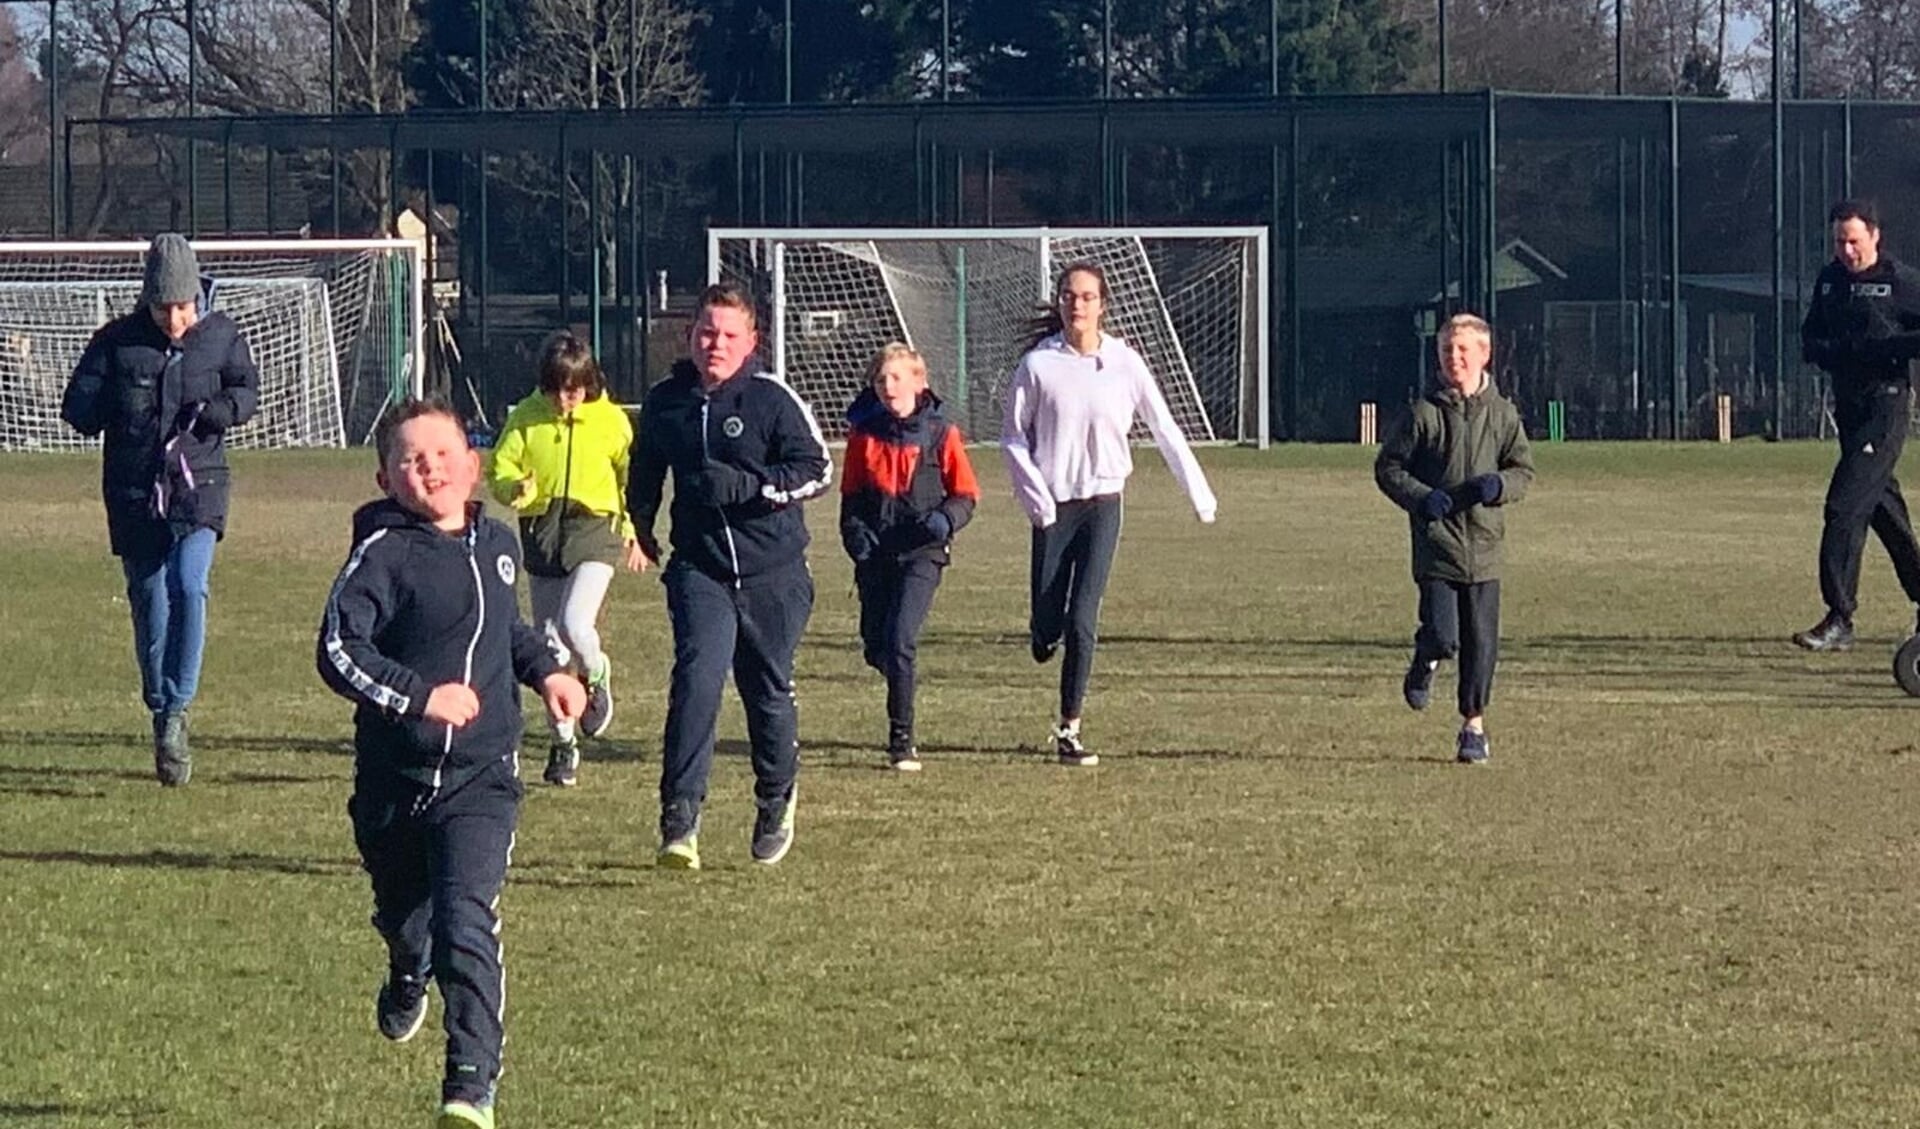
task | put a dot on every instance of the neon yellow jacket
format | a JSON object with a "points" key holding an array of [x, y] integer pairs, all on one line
{"points": [[534, 444]]}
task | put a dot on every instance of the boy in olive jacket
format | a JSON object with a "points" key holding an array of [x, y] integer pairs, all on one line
{"points": [[1453, 462]]}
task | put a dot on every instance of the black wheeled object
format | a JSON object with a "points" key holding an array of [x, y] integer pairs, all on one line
{"points": [[1906, 665]]}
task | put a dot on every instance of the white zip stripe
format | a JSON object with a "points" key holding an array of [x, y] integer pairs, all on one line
{"points": [[479, 626], [706, 455], [386, 697], [815, 486]]}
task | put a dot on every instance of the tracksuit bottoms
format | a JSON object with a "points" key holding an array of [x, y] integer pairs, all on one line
{"points": [[1462, 620], [1072, 559]]}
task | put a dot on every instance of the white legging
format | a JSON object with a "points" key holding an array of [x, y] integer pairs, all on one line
{"points": [[567, 608]]}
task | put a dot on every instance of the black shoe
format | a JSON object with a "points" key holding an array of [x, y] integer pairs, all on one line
{"points": [[1417, 686], [598, 715], [563, 764], [1833, 633], [1071, 752], [903, 758], [773, 830], [172, 759], [1042, 651], [1472, 747], [401, 1006]]}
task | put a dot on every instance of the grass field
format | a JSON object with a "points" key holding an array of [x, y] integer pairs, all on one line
{"points": [[1683, 893]]}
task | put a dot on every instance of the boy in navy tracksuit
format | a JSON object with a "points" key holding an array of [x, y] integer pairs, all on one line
{"points": [[745, 452], [907, 489], [422, 632]]}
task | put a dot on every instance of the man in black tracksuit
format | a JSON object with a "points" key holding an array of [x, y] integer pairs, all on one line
{"points": [[422, 631], [745, 452], [1863, 328]]}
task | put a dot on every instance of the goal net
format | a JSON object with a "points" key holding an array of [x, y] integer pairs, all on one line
{"points": [[334, 326], [1191, 301]]}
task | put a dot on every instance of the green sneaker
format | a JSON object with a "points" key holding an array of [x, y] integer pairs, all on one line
{"points": [[464, 1115], [679, 837], [773, 831]]}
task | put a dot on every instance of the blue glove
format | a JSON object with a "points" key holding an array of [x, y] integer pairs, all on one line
{"points": [[938, 526], [1436, 505], [1490, 488]]}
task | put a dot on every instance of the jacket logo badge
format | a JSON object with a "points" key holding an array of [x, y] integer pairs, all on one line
{"points": [[504, 566], [1873, 290], [732, 427]]}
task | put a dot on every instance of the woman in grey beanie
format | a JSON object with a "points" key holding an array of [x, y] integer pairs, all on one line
{"points": [[162, 385]]}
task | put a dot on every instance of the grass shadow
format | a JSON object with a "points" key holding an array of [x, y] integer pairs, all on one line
{"points": [[241, 862]]}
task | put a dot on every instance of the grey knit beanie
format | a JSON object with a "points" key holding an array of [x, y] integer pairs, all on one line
{"points": [[173, 272]]}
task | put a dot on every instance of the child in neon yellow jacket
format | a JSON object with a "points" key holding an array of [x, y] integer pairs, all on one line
{"points": [[561, 464]]}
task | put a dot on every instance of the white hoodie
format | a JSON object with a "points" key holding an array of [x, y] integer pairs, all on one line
{"points": [[1067, 419]]}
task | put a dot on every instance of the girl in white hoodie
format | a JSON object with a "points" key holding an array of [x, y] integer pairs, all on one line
{"points": [[1071, 403]]}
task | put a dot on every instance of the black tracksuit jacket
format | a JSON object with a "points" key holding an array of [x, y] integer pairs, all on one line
{"points": [[416, 607], [1864, 328]]}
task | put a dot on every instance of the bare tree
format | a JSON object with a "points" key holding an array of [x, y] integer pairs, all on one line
{"points": [[23, 113], [597, 54]]}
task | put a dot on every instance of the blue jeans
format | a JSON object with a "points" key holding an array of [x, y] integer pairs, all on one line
{"points": [[169, 598]]}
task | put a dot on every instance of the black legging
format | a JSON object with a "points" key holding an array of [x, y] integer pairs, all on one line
{"points": [[1072, 559]]}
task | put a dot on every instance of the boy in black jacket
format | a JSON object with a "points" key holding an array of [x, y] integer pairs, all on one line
{"points": [[745, 452], [422, 632], [907, 489]]}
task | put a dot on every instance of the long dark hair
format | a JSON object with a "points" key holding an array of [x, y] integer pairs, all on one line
{"points": [[568, 362], [1047, 320]]}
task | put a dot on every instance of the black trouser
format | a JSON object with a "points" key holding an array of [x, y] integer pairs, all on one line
{"points": [[437, 868], [1864, 493], [1072, 559], [754, 630], [1462, 620], [895, 597]]}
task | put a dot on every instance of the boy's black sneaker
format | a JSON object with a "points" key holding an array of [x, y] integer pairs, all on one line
{"points": [[1834, 632], [1042, 649], [773, 830], [172, 760], [401, 1006], [903, 758], [1472, 748], [1071, 751], [563, 764], [1417, 686]]}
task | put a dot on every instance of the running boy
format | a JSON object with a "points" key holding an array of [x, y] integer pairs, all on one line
{"points": [[1452, 462], [907, 489], [423, 634]]}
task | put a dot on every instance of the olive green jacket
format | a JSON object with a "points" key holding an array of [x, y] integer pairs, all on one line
{"points": [[1443, 442]]}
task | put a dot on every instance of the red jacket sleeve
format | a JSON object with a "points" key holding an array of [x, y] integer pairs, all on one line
{"points": [[956, 470], [854, 476]]}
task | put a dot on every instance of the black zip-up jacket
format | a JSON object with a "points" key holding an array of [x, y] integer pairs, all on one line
{"points": [[1864, 328], [742, 460], [142, 392], [416, 607]]}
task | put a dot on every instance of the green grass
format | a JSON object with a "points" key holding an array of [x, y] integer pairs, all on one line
{"points": [[1684, 893]]}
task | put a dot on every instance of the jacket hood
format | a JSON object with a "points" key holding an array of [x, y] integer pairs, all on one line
{"points": [[870, 414], [386, 513]]}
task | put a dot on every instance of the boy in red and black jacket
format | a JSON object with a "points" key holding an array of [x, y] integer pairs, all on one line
{"points": [[907, 489]]}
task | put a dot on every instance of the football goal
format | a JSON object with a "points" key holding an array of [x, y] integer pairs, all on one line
{"points": [[1192, 301], [335, 326]]}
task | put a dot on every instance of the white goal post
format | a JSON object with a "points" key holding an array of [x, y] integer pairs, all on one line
{"points": [[335, 326], [1192, 300]]}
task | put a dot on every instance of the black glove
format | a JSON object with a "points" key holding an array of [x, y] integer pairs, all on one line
{"points": [[1489, 487], [215, 415], [1436, 505], [721, 484], [190, 418], [938, 525], [859, 540]]}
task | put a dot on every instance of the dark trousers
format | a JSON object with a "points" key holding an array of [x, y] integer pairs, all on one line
{"points": [[1462, 620], [1072, 559], [1864, 494], [895, 597], [437, 868], [754, 631]]}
